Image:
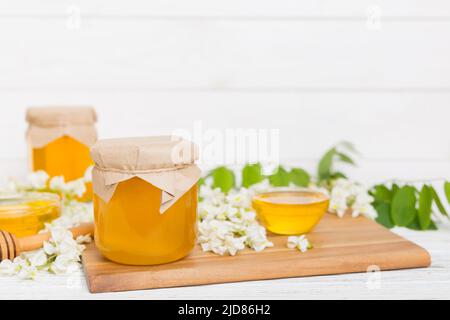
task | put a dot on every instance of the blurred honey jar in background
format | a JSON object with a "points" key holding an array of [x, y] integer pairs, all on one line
{"points": [[26, 214], [145, 199], [59, 140]]}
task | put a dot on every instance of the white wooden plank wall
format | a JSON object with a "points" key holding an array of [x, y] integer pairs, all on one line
{"points": [[373, 72]]}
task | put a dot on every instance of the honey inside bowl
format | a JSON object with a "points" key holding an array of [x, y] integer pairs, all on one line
{"points": [[291, 212], [26, 214]]}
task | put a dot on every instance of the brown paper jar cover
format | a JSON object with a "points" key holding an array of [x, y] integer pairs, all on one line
{"points": [[166, 162], [47, 124]]}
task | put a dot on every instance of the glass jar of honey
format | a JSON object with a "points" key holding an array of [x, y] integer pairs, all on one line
{"points": [[25, 214], [145, 199], [59, 139]]}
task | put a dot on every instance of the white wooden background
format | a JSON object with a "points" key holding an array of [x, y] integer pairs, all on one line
{"points": [[376, 73], [373, 72]]}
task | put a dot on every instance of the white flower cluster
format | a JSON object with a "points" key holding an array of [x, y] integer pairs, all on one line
{"points": [[349, 196], [40, 181], [300, 243], [60, 255], [73, 214], [227, 223]]}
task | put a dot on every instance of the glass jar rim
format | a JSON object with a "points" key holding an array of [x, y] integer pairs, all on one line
{"points": [[263, 197], [15, 203]]}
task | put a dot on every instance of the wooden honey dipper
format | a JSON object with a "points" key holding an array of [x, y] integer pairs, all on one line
{"points": [[12, 246]]}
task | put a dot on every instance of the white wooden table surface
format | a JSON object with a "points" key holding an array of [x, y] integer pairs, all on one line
{"points": [[431, 283]]}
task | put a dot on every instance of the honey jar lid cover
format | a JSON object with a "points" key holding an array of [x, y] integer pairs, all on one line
{"points": [[167, 162], [47, 124]]}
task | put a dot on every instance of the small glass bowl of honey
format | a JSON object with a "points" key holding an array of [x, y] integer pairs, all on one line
{"points": [[26, 214], [291, 212]]}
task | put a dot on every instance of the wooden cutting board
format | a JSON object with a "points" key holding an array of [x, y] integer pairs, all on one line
{"points": [[340, 246]]}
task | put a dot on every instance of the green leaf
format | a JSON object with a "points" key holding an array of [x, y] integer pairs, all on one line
{"points": [[395, 189], [415, 225], [447, 190], [438, 202], [348, 145], [432, 226], [324, 169], [403, 210], [345, 158], [300, 177], [337, 175], [425, 207], [381, 193], [251, 175], [223, 178], [280, 179], [384, 215]]}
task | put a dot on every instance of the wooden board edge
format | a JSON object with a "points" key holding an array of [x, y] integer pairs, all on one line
{"points": [[104, 283], [96, 287]]}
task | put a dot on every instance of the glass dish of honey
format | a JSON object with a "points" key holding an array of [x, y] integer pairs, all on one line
{"points": [[291, 212], [26, 214]]}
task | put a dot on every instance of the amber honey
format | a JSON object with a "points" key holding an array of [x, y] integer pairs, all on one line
{"points": [[130, 228], [291, 212], [26, 214], [59, 139], [64, 157]]}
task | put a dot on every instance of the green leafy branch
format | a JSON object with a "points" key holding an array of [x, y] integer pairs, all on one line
{"points": [[339, 154], [225, 178], [408, 206], [404, 206]]}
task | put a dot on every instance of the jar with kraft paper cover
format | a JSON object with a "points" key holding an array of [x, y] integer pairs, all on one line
{"points": [[59, 139], [145, 199]]}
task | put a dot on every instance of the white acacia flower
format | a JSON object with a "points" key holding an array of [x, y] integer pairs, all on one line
{"points": [[9, 268], [366, 210], [86, 239], [38, 258], [227, 224], [64, 264], [233, 245], [241, 198], [49, 248], [27, 272], [60, 234], [69, 247], [38, 179], [76, 187], [88, 175], [300, 243], [348, 196], [257, 238], [212, 196], [61, 254], [58, 184]]}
